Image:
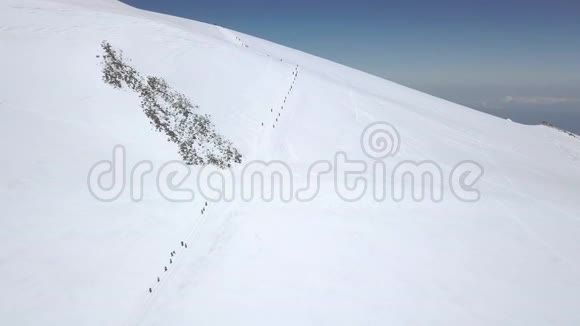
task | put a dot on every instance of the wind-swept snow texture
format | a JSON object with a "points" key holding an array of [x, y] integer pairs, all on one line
{"points": [[512, 258]]}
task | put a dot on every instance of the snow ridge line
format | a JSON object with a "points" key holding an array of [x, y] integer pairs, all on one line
{"points": [[231, 36]]}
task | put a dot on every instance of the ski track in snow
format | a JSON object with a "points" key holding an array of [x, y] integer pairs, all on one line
{"points": [[166, 277]]}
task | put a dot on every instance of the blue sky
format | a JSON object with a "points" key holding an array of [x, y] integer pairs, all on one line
{"points": [[516, 59]]}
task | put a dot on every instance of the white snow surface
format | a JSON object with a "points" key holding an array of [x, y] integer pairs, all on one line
{"points": [[512, 258]]}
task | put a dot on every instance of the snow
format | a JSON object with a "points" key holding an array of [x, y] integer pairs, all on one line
{"points": [[510, 259]]}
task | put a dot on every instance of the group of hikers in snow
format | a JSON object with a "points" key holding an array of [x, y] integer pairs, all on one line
{"points": [[173, 253]]}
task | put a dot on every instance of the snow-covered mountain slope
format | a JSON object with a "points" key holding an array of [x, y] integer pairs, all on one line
{"points": [[512, 258]]}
